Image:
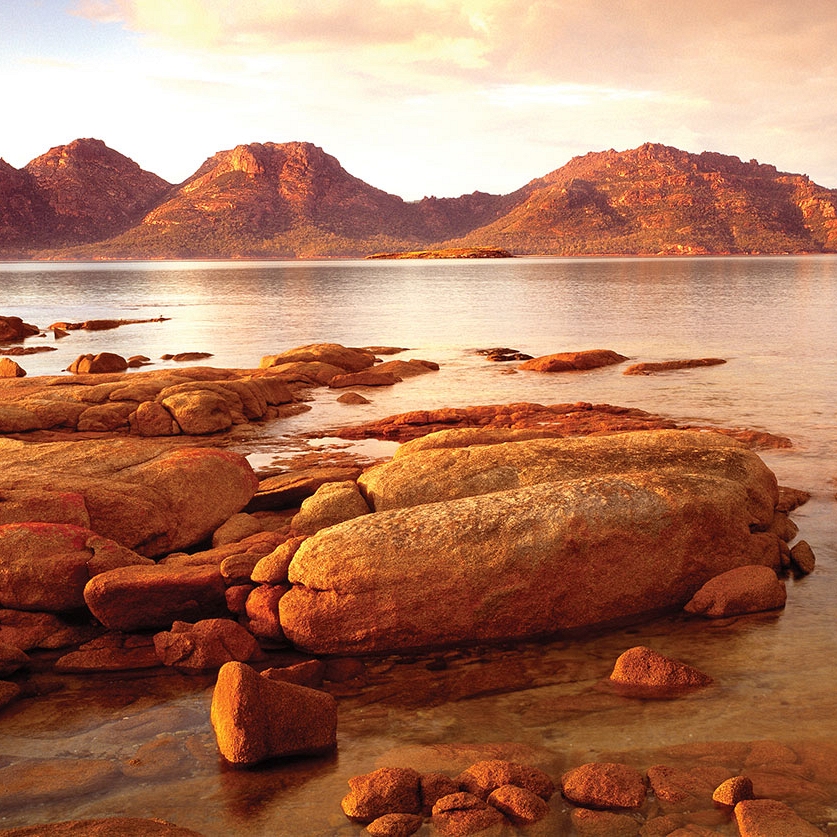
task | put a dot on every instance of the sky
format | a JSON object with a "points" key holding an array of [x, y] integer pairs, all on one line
{"points": [[423, 97]]}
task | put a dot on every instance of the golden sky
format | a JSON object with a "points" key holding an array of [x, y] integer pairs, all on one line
{"points": [[423, 97]]}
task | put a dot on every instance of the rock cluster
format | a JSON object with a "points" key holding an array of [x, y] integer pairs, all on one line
{"points": [[530, 538], [604, 798], [101, 398], [396, 800], [507, 421]]}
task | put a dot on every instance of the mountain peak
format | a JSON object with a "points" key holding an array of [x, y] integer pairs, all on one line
{"points": [[93, 190], [292, 199]]}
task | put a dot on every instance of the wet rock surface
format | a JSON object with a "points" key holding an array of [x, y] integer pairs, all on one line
{"points": [[144, 727]]}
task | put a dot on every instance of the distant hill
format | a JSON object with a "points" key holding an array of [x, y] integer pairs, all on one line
{"points": [[658, 200], [292, 200]]}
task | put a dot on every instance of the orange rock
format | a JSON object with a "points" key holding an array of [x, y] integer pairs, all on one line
{"points": [[365, 378], [155, 596], [749, 589], [12, 658], [484, 777], [604, 785], [573, 361], [111, 652], [348, 359], [286, 491], [273, 568], [206, 644], [97, 364], [388, 790], [802, 557], [678, 789], [732, 791], [669, 365], [461, 814], [255, 718], [433, 787], [519, 805], [331, 503], [395, 825], [760, 817], [649, 672], [45, 566], [10, 369], [308, 673], [262, 611]]}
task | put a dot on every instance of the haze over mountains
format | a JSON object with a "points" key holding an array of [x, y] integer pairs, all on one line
{"points": [[292, 200]]}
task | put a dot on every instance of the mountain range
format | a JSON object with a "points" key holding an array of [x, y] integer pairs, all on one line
{"points": [[292, 200]]}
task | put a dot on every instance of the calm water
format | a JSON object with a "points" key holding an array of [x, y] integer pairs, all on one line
{"points": [[774, 321]]}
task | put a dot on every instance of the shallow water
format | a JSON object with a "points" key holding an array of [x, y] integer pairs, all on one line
{"points": [[773, 319]]}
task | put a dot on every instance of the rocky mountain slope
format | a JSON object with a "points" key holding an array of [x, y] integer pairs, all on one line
{"points": [[292, 200], [656, 199]]}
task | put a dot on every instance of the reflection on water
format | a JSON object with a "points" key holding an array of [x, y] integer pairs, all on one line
{"points": [[146, 740]]}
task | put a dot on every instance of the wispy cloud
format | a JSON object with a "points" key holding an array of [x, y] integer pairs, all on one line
{"points": [[390, 86]]}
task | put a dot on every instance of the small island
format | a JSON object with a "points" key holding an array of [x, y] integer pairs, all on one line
{"points": [[449, 253]]}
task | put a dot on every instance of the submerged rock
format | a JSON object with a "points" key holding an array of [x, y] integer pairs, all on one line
{"points": [[759, 817], [604, 785], [670, 365], [109, 827]]}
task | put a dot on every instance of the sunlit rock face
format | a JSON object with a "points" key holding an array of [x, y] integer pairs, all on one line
{"points": [[141, 493], [556, 535]]}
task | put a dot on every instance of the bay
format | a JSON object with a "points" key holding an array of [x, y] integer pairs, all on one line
{"points": [[772, 319]]}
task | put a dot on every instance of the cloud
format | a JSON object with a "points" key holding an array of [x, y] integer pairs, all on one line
{"points": [[462, 80]]}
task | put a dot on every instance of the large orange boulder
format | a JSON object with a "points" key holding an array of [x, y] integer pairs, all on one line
{"points": [[148, 495], [45, 566], [255, 718], [419, 473], [615, 528]]}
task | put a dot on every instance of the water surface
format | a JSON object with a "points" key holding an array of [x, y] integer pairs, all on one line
{"points": [[772, 319]]}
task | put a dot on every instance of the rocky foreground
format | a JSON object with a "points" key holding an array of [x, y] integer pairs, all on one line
{"points": [[131, 539]]}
